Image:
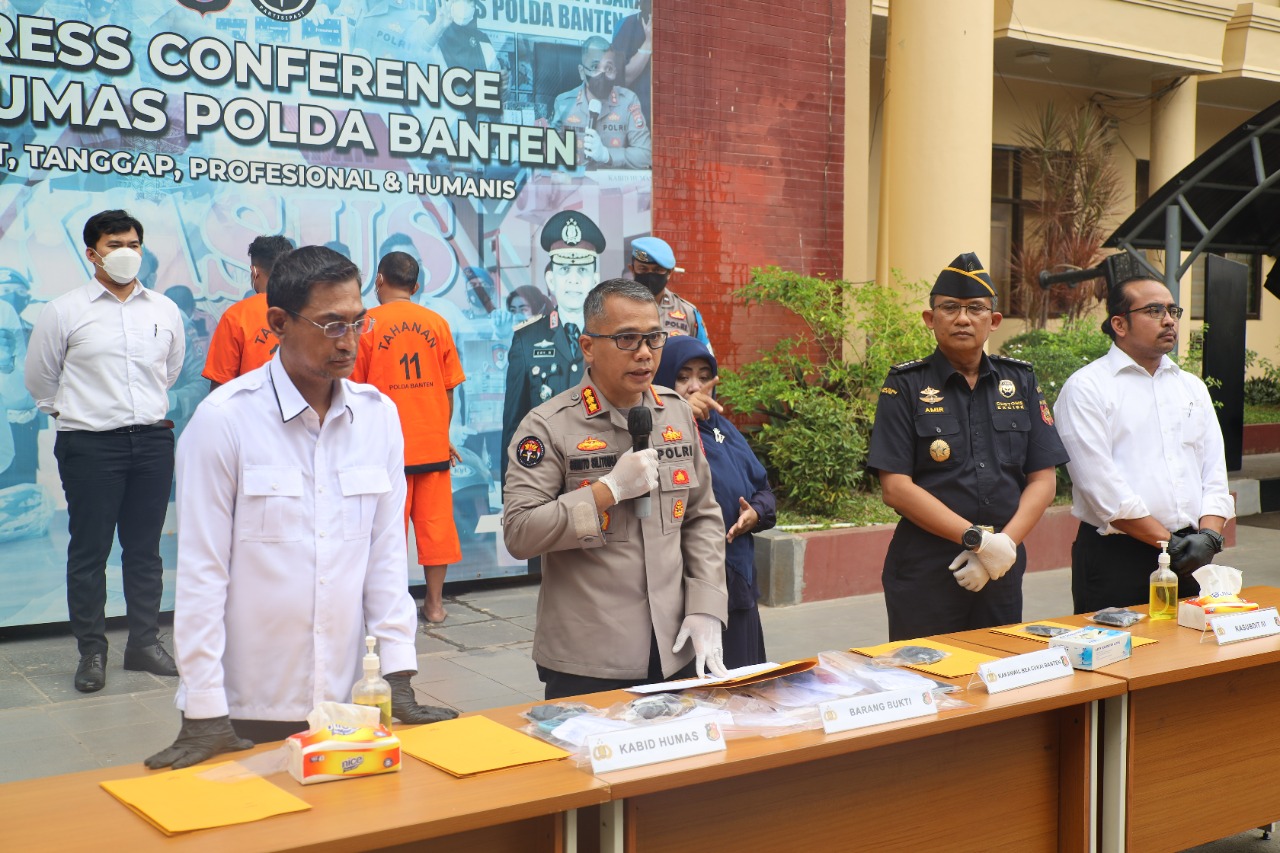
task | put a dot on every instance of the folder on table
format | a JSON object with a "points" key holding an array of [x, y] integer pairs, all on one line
{"points": [[470, 745], [958, 661], [1020, 631], [203, 797]]}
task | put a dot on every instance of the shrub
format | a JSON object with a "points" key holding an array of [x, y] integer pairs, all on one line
{"points": [[1057, 355], [1262, 390], [818, 406]]}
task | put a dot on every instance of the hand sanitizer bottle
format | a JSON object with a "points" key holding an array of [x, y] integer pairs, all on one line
{"points": [[1164, 588], [373, 688]]}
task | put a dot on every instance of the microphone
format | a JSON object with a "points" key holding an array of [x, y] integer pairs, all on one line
{"points": [[593, 107], [640, 424]]}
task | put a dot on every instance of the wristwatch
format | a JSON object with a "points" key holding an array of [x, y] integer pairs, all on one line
{"points": [[1216, 538], [972, 538]]}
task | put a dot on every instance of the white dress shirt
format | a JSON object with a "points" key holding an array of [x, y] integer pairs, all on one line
{"points": [[100, 363], [291, 548], [1141, 444]]}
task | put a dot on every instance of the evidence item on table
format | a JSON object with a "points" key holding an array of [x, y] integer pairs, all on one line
{"points": [[1120, 617], [1045, 630]]}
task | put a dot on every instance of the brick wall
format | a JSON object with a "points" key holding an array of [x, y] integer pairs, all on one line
{"points": [[748, 122]]}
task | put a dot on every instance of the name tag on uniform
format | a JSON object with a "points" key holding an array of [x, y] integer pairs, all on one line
{"points": [[1024, 670], [652, 744], [888, 707], [1250, 625]]}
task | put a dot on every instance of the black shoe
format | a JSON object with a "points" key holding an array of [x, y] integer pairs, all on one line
{"points": [[153, 659], [91, 674]]}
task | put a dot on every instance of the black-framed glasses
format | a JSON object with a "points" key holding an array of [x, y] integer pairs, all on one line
{"points": [[339, 329], [630, 341], [1156, 311], [953, 309]]}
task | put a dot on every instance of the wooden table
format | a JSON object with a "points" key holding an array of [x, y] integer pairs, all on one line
{"points": [[1012, 772], [521, 809], [1163, 786]]}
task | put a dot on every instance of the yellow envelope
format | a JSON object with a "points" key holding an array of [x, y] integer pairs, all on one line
{"points": [[957, 662], [1021, 631], [471, 745], [203, 797]]}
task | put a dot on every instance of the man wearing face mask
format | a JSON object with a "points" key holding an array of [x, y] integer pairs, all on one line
{"points": [[652, 262], [101, 360], [607, 119], [545, 357]]}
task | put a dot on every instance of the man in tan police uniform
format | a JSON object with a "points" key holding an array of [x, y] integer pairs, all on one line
{"points": [[620, 594]]}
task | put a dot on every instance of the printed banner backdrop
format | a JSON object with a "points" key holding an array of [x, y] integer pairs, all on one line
{"points": [[454, 130]]}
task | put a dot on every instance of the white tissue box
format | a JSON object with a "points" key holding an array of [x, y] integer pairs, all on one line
{"points": [[1091, 648], [1192, 612]]}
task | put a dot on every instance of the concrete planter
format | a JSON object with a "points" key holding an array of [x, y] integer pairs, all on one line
{"points": [[1261, 438], [796, 567]]}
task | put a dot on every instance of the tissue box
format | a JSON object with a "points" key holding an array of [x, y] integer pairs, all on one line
{"points": [[1090, 648], [340, 751], [1198, 612]]}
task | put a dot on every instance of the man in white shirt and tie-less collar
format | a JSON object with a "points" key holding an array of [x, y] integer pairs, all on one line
{"points": [[1147, 462], [291, 545], [101, 360]]}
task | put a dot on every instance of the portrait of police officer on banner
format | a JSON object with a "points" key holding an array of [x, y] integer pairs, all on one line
{"points": [[965, 449], [545, 358]]}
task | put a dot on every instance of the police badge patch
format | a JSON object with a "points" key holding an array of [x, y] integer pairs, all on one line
{"points": [[940, 451], [529, 451]]}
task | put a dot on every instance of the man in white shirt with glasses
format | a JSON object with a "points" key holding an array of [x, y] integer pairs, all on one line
{"points": [[1147, 463], [291, 544]]}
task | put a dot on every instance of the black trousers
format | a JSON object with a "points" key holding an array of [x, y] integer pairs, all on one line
{"points": [[266, 731], [562, 684], [922, 597], [1115, 571], [114, 483]]}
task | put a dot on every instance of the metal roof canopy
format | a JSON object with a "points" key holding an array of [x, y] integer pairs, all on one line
{"points": [[1226, 200]]}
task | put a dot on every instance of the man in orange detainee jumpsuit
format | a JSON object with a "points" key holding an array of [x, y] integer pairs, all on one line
{"points": [[411, 358], [243, 341]]}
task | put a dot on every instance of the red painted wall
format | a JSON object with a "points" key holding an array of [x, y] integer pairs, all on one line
{"points": [[748, 121]]}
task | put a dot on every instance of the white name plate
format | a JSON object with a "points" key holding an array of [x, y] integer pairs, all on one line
{"points": [[1234, 627], [876, 708], [642, 745], [1025, 670]]}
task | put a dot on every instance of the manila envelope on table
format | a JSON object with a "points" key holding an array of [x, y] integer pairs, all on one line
{"points": [[958, 661], [470, 745], [203, 797], [1021, 632]]}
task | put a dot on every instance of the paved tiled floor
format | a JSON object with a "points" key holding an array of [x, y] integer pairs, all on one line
{"points": [[479, 658]]}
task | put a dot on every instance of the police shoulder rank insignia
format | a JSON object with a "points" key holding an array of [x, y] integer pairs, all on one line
{"points": [[671, 434], [591, 443], [904, 365], [929, 394], [1045, 414], [680, 477], [940, 451], [678, 315], [887, 390], [677, 509], [590, 402], [657, 401], [604, 521], [1007, 388], [529, 451]]}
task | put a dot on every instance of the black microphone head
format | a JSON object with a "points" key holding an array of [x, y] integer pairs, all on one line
{"points": [[639, 421]]}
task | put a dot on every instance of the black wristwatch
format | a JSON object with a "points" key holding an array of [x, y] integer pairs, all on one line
{"points": [[1216, 538], [972, 538]]}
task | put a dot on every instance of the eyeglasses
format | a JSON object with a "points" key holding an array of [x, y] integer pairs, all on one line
{"points": [[976, 310], [1156, 311], [339, 329], [630, 341]]}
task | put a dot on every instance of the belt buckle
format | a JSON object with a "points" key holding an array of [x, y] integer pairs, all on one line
{"points": [[986, 527]]}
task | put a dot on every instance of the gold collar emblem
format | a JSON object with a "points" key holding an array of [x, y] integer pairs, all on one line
{"points": [[930, 394]]}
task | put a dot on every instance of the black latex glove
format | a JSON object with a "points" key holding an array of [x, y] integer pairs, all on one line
{"points": [[1190, 552], [199, 740], [405, 707]]}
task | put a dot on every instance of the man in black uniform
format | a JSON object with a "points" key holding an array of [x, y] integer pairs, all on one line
{"points": [[965, 448], [545, 358]]}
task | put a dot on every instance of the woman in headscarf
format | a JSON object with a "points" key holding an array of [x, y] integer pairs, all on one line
{"points": [[741, 488]]}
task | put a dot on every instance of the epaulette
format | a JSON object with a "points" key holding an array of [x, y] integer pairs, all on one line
{"points": [[907, 365], [1012, 360], [532, 319]]}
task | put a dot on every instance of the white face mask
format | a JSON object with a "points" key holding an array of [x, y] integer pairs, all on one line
{"points": [[462, 12], [121, 264]]}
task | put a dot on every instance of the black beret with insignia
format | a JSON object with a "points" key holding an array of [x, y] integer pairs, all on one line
{"points": [[965, 278]]}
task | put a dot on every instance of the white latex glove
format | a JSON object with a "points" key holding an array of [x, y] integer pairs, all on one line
{"points": [[997, 553], [968, 571], [708, 648], [634, 475], [593, 146]]}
